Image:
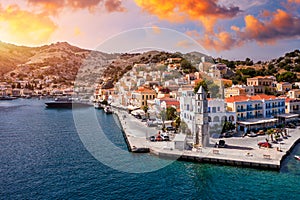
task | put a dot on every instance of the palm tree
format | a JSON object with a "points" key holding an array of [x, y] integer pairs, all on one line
{"points": [[270, 132], [145, 109]]}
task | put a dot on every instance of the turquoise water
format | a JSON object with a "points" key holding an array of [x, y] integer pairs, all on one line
{"points": [[42, 157]]}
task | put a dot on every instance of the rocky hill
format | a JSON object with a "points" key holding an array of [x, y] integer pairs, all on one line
{"points": [[62, 64]]}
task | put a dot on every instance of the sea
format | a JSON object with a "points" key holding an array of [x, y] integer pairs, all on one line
{"points": [[42, 156]]}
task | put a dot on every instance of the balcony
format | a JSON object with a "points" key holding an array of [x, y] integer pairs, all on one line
{"points": [[241, 118], [241, 110]]}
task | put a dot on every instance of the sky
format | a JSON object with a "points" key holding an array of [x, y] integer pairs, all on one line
{"points": [[237, 29]]}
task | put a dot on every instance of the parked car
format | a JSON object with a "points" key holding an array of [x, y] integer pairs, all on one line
{"points": [[264, 144], [152, 138], [226, 135], [166, 138], [170, 128], [290, 125], [222, 144], [144, 120], [158, 138]]}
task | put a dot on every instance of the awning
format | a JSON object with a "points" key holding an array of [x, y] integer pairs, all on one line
{"points": [[130, 107], [288, 116], [258, 121], [138, 112]]}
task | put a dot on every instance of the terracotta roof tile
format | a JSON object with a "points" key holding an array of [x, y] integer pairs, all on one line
{"points": [[246, 98]]}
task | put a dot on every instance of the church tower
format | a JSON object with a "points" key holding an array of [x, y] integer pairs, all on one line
{"points": [[201, 135]]}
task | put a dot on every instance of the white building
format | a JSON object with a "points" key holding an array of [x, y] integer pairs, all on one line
{"points": [[217, 113]]}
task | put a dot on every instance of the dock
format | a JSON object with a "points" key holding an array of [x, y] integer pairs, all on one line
{"points": [[241, 152]]}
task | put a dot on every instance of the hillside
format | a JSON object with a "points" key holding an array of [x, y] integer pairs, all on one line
{"points": [[285, 68], [60, 62]]}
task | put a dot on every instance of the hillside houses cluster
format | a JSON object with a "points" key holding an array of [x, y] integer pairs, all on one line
{"points": [[249, 107]]}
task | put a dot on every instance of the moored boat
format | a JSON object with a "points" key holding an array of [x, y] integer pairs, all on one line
{"points": [[7, 98], [98, 105], [297, 157], [140, 149], [108, 110], [66, 103]]}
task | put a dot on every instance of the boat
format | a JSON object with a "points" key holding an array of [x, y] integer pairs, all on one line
{"points": [[297, 157], [98, 105], [7, 98], [108, 110], [66, 103], [140, 149]]}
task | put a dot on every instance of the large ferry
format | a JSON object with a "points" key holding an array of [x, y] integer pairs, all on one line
{"points": [[7, 98], [67, 103]]}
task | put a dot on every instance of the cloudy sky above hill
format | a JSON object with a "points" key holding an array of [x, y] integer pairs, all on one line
{"points": [[259, 29]]}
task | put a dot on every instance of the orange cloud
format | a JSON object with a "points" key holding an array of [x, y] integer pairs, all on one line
{"points": [[184, 44], [282, 25], [217, 41], [24, 27], [275, 26], [114, 6], [206, 11], [294, 1], [54, 6]]}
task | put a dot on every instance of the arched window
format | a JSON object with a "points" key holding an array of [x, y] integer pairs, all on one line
{"points": [[216, 119], [224, 119]]}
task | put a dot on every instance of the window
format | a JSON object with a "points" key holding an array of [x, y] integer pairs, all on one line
{"points": [[219, 109], [214, 110], [187, 107]]}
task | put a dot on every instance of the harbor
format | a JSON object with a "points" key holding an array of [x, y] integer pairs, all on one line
{"points": [[239, 151]]}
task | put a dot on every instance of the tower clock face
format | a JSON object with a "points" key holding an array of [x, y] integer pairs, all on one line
{"points": [[199, 119]]}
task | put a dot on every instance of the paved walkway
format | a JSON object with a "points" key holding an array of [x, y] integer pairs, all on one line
{"points": [[238, 149]]}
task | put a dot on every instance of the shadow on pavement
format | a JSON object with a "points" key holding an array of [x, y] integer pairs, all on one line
{"points": [[238, 147]]}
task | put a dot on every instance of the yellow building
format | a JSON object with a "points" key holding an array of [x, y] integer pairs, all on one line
{"points": [[139, 97], [260, 83], [234, 91]]}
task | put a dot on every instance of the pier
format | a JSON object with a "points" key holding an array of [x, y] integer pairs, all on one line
{"points": [[241, 152]]}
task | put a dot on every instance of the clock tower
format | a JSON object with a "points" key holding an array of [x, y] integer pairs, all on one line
{"points": [[201, 135]]}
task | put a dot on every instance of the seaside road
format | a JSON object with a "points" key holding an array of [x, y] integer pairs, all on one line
{"points": [[135, 127]]}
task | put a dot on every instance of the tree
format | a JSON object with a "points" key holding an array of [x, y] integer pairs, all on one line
{"points": [[228, 126], [187, 67], [270, 133], [287, 77], [145, 109], [171, 113], [177, 122], [214, 90], [203, 84]]}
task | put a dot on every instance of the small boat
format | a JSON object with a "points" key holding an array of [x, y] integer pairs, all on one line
{"points": [[297, 157], [140, 149], [98, 105], [108, 110]]}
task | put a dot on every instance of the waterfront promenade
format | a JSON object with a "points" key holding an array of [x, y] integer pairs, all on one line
{"points": [[240, 151]]}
